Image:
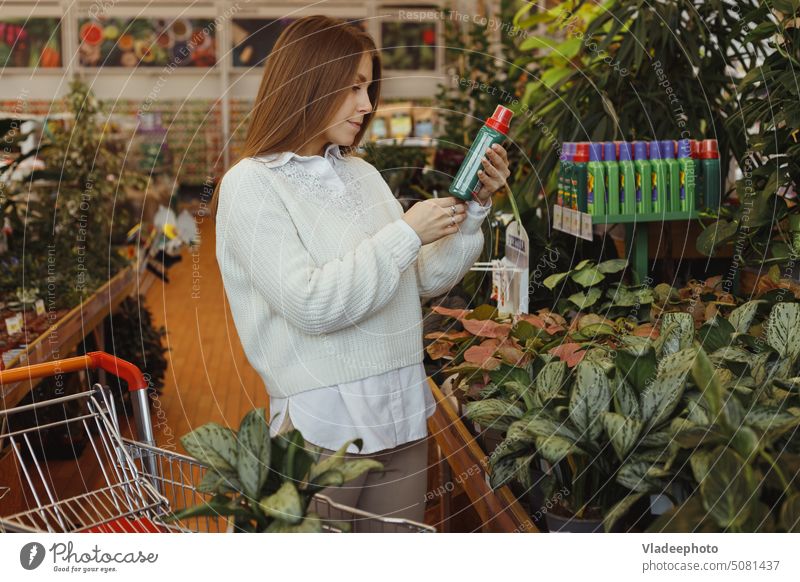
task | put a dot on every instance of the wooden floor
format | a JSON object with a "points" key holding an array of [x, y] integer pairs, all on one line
{"points": [[208, 377]]}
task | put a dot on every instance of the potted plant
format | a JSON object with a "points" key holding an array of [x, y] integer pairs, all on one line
{"points": [[264, 484]]}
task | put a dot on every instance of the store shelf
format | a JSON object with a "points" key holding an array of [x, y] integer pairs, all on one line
{"points": [[64, 335], [646, 217], [499, 511]]}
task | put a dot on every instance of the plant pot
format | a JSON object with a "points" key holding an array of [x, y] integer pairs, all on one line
{"points": [[560, 524]]}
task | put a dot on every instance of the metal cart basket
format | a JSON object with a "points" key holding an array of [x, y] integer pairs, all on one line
{"points": [[123, 485]]}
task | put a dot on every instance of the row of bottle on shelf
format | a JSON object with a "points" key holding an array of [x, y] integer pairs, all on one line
{"points": [[626, 178]]}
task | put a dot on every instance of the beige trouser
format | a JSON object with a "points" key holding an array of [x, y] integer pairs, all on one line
{"points": [[397, 491]]}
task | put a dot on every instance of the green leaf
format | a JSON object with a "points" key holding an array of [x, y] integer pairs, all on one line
{"points": [[783, 330], [285, 504], [503, 471], [625, 400], [708, 383], [254, 452], [543, 426], [728, 489], [660, 399], [771, 420], [312, 523], [352, 469], [701, 462], [214, 483], [586, 300], [587, 277], [612, 266], [550, 380], [622, 432], [213, 445], [716, 235], [590, 397], [493, 413], [637, 365], [790, 514], [641, 476], [741, 318], [716, 334], [619, 510], [553, 280], [555, 448], [217, 506], [333, 461], [677, 332]]}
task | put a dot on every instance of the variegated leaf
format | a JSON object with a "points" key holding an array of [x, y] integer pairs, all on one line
{"points": [[622, 432], [590, 397], [783, 330], [679, 334], [550, 380], [493, 413], [742, 317], [555, 448]]}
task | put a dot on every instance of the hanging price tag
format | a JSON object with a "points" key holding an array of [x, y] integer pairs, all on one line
{"points": [[39, 306], [14, 324], [586, 226], [576, 223]]}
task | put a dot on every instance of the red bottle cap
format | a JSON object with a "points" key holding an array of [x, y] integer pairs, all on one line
{"points": [[500, 119], [708, 149], [695, 148], [582, 151]]}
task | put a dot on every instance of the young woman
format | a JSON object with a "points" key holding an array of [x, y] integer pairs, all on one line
{"points": [[323, 270]]}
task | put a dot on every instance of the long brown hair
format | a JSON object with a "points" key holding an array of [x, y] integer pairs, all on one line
{"points": [[313, 59]]}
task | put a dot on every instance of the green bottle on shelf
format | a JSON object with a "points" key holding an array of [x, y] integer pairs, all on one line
{"points": [[673, 197], [627, 179], [611, 173], [698, 172], [686, 192], [658, 181], [493, 131], [596, 181], [580, 176], [709, 160], [564, 177], [644, 177]]}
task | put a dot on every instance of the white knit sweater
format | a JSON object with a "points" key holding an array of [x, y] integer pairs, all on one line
{"points": [[324, 283]]}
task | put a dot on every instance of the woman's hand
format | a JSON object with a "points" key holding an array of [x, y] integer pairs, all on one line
{"points": [[435, 218], [494, 173]]}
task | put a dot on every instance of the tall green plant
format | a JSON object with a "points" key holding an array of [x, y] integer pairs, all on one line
{"points": [[630, 70]]}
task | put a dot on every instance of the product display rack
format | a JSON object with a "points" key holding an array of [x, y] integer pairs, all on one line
{"points": [[637, 234]]}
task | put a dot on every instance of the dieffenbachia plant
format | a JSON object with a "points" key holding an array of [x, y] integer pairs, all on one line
{"points": [[265, 484]]}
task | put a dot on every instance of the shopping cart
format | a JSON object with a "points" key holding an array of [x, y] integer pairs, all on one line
{"points": [[125, 485]]}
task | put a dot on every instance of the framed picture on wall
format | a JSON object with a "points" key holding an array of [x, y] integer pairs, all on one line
{"points": [[408, 46], [253, 38], [146, 42], [30, 42]]}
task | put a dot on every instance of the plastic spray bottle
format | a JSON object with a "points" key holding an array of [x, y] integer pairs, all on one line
{"points": [[672, 198], [580, 176], [612, 177], [644, 178], [493, 131], [658, 182], [709, 160], [686, 191], [596, 181], [627, 179]]}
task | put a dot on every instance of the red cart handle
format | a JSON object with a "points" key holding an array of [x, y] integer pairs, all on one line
{"points": [[111, 364]]}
